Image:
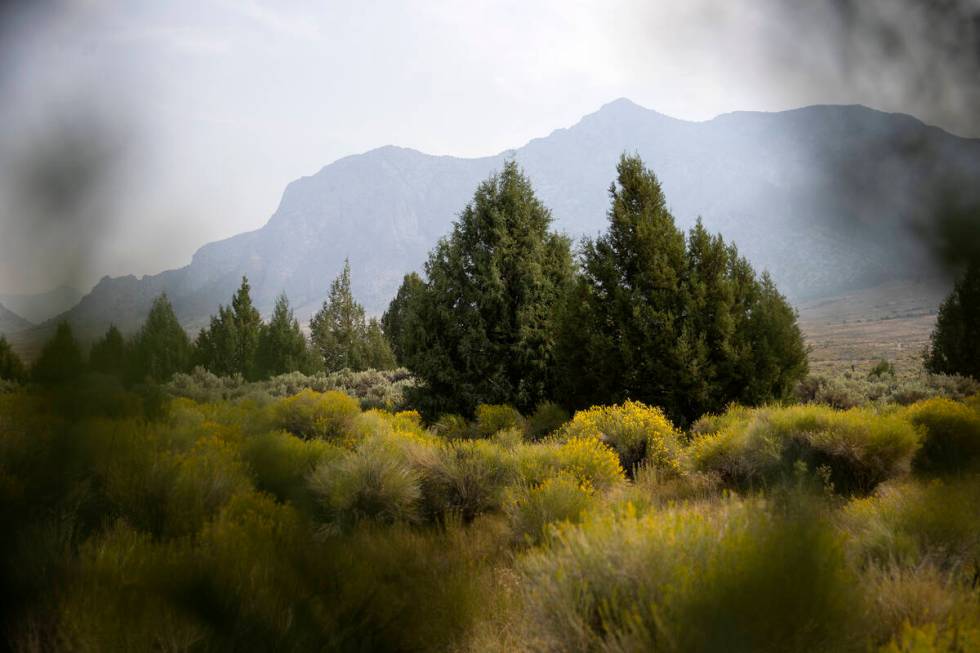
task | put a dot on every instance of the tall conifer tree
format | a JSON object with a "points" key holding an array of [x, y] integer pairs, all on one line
{"points": [[483, 322], [282, 346], [161, 346]]}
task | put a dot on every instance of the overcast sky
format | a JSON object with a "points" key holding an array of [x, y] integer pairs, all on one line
{"points": [[198, 113]]}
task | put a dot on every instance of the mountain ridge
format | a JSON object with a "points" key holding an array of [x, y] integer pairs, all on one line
{"points": [[774, 183]]}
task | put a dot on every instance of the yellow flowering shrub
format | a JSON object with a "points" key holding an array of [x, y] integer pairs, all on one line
{"points": [[311, 414], [637, 432], [951, 434], [859, 447]]}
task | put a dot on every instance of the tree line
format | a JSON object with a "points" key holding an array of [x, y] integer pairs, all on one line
{"points": [[508, 313], [236, 342]]}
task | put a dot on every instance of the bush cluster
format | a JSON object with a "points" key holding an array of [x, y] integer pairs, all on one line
{"points": [[306, 522]]}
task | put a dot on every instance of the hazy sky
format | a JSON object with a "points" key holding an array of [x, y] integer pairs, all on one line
{"points": [[186, 119]]}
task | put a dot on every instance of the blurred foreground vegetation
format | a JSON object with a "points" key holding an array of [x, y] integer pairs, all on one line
{"points": [[281, 517]]}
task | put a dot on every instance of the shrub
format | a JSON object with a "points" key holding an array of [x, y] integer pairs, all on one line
{"points": [[559, 499], [859, 447], [680, 580], [951, 435], [547, 418], [590, 462], [467, 478], [280, 464], [366, 484], [453, 427], [491, 418], [882, 368], [638, 433], [912, 523], [311, 414]]}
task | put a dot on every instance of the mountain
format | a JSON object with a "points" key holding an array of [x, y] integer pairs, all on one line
{"points": [[11, 323], [827, 198], [42, 306]]}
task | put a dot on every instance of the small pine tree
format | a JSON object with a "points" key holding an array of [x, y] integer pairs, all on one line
{"points": [[11, 367], [400, 321], [230, 343], [955, 345], [108, 354], [282, 346], [248, 327], [60, 360], [377, 351], [161, 347], [338, 330], [216, 346]]}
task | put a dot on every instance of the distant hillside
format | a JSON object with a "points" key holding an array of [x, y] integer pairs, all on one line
{"points": [[823, 197], [11, 323], [42, 306]]}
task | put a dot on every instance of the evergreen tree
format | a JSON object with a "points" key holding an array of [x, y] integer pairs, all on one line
{"points": [[161, 347], [108, 354], [400, 322], [230, 343], [679, 323], [955, 346], [282, 345], [11, 367], [338, 330], [248, 327], [480, 330], [779, 357], [60, 360], [624, 340], [216, 346], [377, 351]]}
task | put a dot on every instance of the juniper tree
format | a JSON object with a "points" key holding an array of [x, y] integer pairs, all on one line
{"points": [[282, 346], [229, 345], [400, 322], [108, 354], [622, 327], [482, 325], [338, 329], [60, 360], [955, 345], [377, 353], [161, 347], [683, 324], [11, 367]]}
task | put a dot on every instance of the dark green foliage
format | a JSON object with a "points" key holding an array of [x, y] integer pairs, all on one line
{"points": [[60, 360], [481, 329], [11, 367], [681, 324], [400, 321], [229, 345], [109, 354], [282, 346], [955, 348], [342, 338], [546, 419], [377, 352], [161, 347]]}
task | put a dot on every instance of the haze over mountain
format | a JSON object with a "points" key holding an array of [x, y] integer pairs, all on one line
{"points": [[827, 198], [11, 323], [39, 307]]}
